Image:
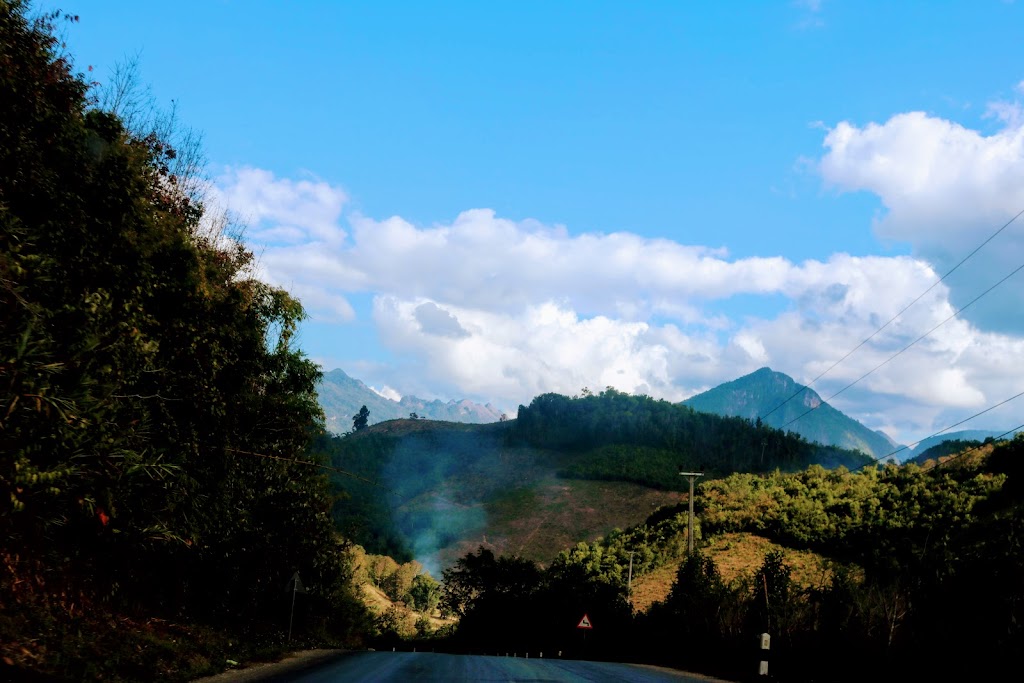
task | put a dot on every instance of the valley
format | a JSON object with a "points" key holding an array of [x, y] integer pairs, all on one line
{"points": [[186, 489]]}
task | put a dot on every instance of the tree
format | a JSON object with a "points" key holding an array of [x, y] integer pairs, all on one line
{"points": [[360, 419], [154, 411], [425, 593]]}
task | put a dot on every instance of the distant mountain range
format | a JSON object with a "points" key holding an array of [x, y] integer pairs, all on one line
{"points": [[758, 393], [750, 397], [341, 397], [965, 435]]}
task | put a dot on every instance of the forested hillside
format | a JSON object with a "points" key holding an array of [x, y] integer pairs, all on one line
{"points": [[592, 429], [152, 401], [424, 489], [912, 555]]}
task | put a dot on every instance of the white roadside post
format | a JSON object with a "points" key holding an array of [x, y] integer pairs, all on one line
{"points": [[766, 641]]}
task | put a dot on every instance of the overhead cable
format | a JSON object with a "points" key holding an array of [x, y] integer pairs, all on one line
{"points": [[886, 361], [946, 429], [901, 312]]}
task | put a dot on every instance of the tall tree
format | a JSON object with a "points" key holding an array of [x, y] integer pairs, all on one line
{"points": [[361, 419], [152, 401]]}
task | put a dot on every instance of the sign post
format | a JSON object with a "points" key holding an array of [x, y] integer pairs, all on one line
{"points": [[585, 626]]}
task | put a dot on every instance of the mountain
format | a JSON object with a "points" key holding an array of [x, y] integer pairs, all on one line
{"points": [[965, 435], [341, 397], [758, 393]]}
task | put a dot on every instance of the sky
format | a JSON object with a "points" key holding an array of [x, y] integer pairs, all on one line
{"points": [[496, 200]]}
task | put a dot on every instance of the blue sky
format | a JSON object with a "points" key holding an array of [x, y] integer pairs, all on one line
{"points": [[491, 200]]}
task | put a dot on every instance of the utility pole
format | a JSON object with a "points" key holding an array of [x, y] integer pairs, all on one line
{"points": [[294, 587], [689, 520], [629, 581]]}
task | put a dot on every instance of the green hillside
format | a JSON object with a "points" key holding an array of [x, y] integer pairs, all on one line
{"points": [[883, 561], [428, 490], [761, 392], [972, 435]]}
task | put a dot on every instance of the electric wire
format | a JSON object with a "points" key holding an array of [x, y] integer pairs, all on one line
{"points": [[908, 346], [947, 428], [964, 452], [901, 312]]}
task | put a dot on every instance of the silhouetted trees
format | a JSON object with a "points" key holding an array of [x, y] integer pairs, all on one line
{"points": [[361, 419]]}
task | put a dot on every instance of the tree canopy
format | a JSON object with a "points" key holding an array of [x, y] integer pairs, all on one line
{"points": [[151, 396]]}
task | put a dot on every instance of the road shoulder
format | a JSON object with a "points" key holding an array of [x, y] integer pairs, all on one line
{"points": [[262, 671]]}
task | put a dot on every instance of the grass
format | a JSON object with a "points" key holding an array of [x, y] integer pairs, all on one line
{"points": [[379, 603], [511, 504], [558, 513]]}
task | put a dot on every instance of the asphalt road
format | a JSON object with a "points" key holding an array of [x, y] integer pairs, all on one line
{"points": [[428, 666]]}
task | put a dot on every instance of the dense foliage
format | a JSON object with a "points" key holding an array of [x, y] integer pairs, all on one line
{"points": [[946, 448], [622, 437], [921, 558], [610, 436], [151, 398]]}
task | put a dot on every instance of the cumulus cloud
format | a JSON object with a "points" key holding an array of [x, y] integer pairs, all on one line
{"points": [[945, 188], [281, 210], [939, 181], [501, 310]]}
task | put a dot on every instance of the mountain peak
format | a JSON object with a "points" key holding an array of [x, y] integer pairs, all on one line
{"points": [[341, 397], [781, 402]]}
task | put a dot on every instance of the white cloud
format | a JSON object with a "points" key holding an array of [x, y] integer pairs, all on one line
{"points": [[387, 392], [502, 310], [937, 179], [280, 210], [945, 188]]}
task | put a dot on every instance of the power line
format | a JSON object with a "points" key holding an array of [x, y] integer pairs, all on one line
{"points": [[886, 361], [901, 312], [973, 448], [947, 428]]}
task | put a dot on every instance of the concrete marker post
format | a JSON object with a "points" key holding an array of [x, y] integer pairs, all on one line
{"points": [[765, 642]]}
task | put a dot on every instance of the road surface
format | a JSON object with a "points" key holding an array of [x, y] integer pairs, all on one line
{"points": [[428, 666]]}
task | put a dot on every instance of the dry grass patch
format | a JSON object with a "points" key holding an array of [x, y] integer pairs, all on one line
{"points": [[538, 522], [737, 556]]}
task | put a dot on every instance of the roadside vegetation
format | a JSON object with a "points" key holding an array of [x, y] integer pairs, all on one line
{"points": [[165, 473], [885, 562], [153, 405]]}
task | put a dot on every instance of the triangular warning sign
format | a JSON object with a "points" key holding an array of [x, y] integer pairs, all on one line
{"points": [[295, 584], [585, 622]]}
